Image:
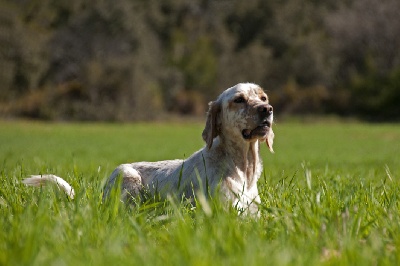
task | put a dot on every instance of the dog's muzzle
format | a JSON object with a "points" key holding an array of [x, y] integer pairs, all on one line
{"points": [[265, 113]]}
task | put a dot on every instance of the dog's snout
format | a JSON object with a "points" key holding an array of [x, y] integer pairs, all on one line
{"points": [[265, 109]]}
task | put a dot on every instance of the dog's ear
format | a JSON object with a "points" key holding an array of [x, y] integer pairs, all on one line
{"points": [[270, 140], [212, 129]]}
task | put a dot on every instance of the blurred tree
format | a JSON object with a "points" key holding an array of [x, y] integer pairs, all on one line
{"points": [[135, 59], [22, 55], [366, 41]]}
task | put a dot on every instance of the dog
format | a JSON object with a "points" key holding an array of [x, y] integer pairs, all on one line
{"points": [[228, 166]]}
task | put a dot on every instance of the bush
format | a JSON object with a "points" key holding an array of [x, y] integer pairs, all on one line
{"points": [[377, 96]]}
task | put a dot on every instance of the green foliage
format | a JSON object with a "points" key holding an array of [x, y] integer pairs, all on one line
{"points": [[131, 56], [377, 95], [329, 196], [196, 60]]}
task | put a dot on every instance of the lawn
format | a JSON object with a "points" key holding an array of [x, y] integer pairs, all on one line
{"points": [[330, 196]]}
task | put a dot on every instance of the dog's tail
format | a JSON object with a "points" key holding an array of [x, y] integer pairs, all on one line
{"points": [[42, 180]]}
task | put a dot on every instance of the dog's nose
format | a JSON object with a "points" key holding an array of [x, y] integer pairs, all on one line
{"points": [[265, 109]]}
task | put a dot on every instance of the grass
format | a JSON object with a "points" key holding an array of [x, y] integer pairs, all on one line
{"points": [[330, 196]]}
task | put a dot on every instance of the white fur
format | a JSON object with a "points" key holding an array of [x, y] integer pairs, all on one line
{"points": [[228, 166], [41, 180]]}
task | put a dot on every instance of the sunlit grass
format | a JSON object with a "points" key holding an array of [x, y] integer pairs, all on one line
{"points": [[330, 195]]}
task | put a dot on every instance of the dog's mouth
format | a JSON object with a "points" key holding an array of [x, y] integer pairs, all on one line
{"points": [[259, 132]]}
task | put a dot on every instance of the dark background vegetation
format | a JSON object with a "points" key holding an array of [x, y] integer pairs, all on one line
{"points": [[124, 60]]}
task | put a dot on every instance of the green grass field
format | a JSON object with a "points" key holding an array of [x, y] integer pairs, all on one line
{"points": [[330, 196]]}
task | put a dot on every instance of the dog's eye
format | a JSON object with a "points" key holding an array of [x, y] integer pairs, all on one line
{"points": [[239, 99], [263, 98]]}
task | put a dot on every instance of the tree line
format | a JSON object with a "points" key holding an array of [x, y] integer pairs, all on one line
{"points": [[127, 60]]}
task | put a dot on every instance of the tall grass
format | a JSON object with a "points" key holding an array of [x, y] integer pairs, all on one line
{"points": [[329, 196]]}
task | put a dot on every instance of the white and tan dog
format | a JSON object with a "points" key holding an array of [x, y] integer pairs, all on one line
{"points": [[229, 165]]}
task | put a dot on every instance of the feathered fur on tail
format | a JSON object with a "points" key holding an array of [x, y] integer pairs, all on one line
{"points": [[42, 180]]}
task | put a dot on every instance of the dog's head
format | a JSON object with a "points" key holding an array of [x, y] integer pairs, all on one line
{"points": [[242, 113]]}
